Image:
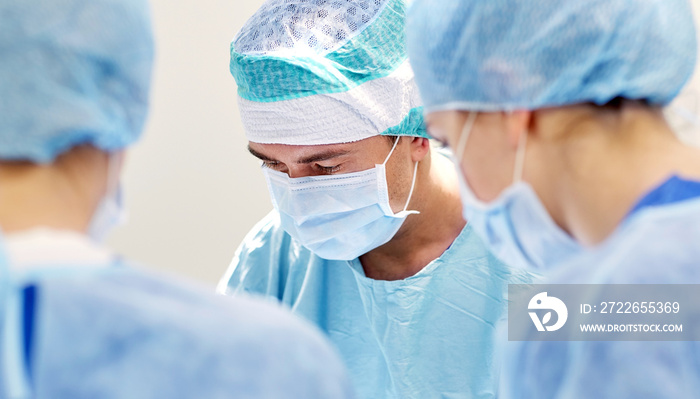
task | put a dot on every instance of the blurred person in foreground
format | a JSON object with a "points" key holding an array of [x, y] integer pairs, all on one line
{"points": [[77, 321], [569, 167]]}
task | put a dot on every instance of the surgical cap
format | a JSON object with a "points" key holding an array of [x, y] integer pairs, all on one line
{"points": [[323, 72], [515, 54], [72, 72]]}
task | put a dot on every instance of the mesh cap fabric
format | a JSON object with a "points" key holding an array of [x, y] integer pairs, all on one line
{"points": [[72, 72], [337, 20], [322, 72], [514, 54]]}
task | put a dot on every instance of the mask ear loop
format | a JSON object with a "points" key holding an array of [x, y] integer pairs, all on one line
{"points": [[466, 131], [413, 181], [113, 174], [520, 158], [410, 193], [392, 150]]}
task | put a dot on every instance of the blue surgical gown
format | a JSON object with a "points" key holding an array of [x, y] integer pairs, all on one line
{"points": [[658, 243], [79, 331], [432, 335]]}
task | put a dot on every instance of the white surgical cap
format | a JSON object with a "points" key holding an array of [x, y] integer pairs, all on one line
{"points": [[323, 72]]}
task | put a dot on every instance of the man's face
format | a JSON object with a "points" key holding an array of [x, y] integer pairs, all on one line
{"points": [[315, 160]]}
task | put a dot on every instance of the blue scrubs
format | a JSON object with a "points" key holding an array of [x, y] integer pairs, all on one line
{"points": [[432, 335], [74, 331], [658, 243], [673, 190]]}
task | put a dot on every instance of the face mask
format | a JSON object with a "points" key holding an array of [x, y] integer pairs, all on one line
{"points": [[338, 217], [515, 226], [110, 211]]}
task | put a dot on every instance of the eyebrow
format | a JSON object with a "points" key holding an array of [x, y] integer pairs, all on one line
{"points": [[324, 156], [258, 155]]}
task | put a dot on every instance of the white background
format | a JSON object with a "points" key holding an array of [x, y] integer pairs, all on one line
{"points": [[192, 189]]}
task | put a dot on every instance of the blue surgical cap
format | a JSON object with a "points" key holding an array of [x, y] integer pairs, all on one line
{"points": [[72, 72], [521, 54], [325, 71]]}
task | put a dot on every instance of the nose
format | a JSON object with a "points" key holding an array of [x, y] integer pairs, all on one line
{"points": [[295, 171]]}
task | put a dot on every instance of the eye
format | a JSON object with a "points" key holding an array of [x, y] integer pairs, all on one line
{"points": [[274, 165], [442, 143], [328, 170], [437, 134]]}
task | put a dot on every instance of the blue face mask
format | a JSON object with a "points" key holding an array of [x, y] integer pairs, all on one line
{"points": [[110, 212], [338, 217], [515, 226]]}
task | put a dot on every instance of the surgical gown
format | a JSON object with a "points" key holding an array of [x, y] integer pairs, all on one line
{"points": [[79, 324], [658, 243], [432, 335]]}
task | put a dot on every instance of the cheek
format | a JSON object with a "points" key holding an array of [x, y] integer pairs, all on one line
{"points": [[486, 166], [399, 176]]}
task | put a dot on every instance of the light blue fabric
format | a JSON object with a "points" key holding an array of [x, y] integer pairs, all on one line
{"points": [[120, 333], [513, 54], [515, 226], [4, 273], [339, 216], [432, 335], [72, 72], [110, 212], [14, 380], [655, 245]]}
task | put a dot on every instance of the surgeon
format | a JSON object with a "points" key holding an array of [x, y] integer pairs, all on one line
{"points": [[554, 114], [76, 320], [366, 238]]}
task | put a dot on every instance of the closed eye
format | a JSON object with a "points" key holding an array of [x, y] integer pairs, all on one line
{"points": [[274, 165], [442, 143], [328, 170]]}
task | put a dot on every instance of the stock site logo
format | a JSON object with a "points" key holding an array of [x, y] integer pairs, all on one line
{"points": [[543, 302]]}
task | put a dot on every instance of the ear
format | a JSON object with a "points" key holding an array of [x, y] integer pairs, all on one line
{"points": [[420, 147], [517, 124]]}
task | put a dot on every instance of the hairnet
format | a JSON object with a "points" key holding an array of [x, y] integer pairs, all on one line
{"points": [[516, 54], [322, 72], [72, 72]]}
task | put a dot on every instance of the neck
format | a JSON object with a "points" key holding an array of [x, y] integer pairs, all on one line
{"points": [[594, 176], [423, 237], [61, 195]]}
